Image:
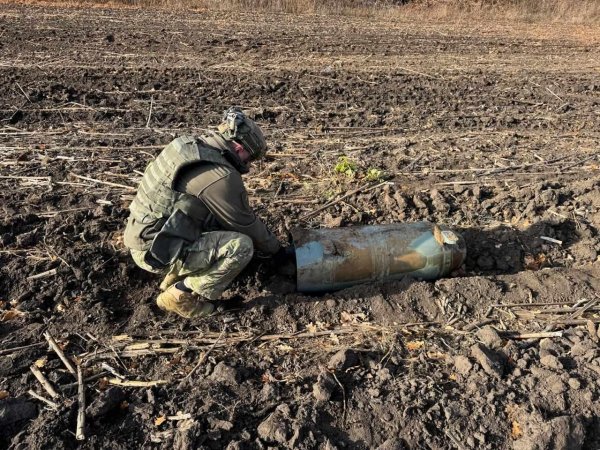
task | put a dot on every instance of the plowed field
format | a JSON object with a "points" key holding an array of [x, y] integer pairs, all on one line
{"points": [[491, 129]]}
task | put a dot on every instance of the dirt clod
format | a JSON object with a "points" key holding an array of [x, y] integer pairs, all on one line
{"points": [[186, 434], [560, 433], [220, 424], [490, 337], [462, 364], [343, 359], [574, 383], [332, 222], [276, 427], [551, 362], [324, 387], [391, 444], [105, 402], [491, 362], [224, 373]]}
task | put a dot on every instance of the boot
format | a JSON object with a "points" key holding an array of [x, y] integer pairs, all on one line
{"points": [[186, 304], [169, 281]]}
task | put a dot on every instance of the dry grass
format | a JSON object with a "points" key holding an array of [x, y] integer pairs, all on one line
{"points": [[565, 11], [570, 11]]}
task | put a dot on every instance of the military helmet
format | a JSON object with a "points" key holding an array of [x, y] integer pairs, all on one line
{"points": [[236, 126]]}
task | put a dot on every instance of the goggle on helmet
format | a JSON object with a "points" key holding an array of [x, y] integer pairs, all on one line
{"points": [[236, 126]]}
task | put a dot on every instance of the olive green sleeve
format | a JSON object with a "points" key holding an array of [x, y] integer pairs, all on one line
{"points": [[223, 193]]}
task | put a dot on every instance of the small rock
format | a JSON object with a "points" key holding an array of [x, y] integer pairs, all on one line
{"points": [[343, 359], [592, 330], [373, 365], [462, 364], [332, 222], [549, 345], [105, 402], [557, 386], [328, 445], [541, 373], [522, 363], [225, 374], [330, 303], [144, 410], [578, 350], [219, 424], [245, 435], [479, 436], [384, 374], [324, 387], [560, 433], [374, 392], [101, 211], [551, 362], [274, 428], [400, 201], [284, 409], [268, 392], [150, 396], [490, 361], [574, 383], [490, 337], [511, 350], [185, 434], [302, 437], [391, 444], [419, 203]]}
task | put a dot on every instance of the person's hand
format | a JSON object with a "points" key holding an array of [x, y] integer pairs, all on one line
{"points": [[284, 255], [284, 261]]}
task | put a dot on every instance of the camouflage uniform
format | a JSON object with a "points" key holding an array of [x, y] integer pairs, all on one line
{"points": [[191, 218], [208, 265]]}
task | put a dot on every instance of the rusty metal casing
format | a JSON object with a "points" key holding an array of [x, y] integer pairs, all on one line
{"points": [[336, 258]]}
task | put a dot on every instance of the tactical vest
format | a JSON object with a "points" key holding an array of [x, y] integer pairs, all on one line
{"points": [[163, 220]]}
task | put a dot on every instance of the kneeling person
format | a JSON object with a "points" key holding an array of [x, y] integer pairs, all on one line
{"points": [[190, 219]]}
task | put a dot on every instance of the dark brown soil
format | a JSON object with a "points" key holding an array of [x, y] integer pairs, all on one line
{"points": [[492, 130]]}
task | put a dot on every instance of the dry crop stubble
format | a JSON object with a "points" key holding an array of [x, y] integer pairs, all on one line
{"points": [[460, 113]]}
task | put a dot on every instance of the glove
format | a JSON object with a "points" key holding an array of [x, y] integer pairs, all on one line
{"points": [[285, 255], [284, 261]]}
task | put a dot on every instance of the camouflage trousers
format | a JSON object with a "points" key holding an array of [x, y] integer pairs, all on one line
{"points": [[208, 265]]}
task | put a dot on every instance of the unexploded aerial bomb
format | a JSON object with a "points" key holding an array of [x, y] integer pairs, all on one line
{"points": [[336, 258]]}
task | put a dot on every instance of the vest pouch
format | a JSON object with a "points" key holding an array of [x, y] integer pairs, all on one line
{"points": [[151, 229], [178, 231]]}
